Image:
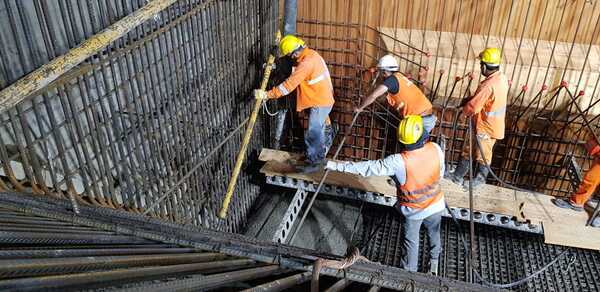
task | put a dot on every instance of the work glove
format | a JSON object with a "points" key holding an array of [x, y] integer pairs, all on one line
{"points": [[260, 94], [331, 165]]}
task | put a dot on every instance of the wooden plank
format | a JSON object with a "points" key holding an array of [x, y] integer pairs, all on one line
{"points": [[561, 226], [540, 208], [528, 65], [572, 235], [279, 163], [489, 198]]}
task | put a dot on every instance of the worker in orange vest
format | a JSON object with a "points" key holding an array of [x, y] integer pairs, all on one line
{"points": [[487, 110], [314, 91], [402, 94], [587, 186], [417, 171]]}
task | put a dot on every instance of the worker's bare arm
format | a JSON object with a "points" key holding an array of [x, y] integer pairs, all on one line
{"points": [[372, 97]]}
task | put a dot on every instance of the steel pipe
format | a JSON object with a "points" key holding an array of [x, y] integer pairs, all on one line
{"points": [[282, 284], [290, 9]]}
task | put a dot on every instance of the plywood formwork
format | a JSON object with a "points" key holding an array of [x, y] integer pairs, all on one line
{"points": [[526, 62]]}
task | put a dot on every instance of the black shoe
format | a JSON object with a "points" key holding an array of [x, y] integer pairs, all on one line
{"points": [[457, 176], [596, 222], [482, 173], [310, 167], [567, 204]]}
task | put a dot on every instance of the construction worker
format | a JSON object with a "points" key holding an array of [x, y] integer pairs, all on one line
{"points": [[487, 110], [402, 94], [417, 171], [314, 91], [587, 186]]}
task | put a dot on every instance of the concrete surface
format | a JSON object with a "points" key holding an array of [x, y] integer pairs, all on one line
{"points": [[328, 227]]}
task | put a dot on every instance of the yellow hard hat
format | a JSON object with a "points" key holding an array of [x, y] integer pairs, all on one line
{"points": [[410, 129], [289, 44], [491, 56]]}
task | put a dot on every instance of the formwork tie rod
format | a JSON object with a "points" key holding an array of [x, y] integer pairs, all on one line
{"points": [[247, 135]]}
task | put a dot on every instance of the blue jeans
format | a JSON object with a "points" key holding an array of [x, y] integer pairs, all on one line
{"points": [[315, 138], [410, 231], [429, 123]]}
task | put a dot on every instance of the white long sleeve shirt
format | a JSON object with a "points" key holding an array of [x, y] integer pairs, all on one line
{"points": [[395, 167]]}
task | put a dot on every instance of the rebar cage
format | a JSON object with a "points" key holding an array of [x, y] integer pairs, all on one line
{"points": [[548, 56], [131, 122]]}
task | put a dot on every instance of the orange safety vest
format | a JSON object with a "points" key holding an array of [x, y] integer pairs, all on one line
{"points": [[491, 119], [415, 102], [313, 84], [422, 186]]}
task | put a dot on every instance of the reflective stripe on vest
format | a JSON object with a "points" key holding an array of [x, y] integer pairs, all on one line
{"points": [[433, 190], [316, 79], [282, 89], [322, 76], [499, 112]]}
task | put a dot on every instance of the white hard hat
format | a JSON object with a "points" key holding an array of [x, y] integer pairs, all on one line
{"points": [[388, 63]]}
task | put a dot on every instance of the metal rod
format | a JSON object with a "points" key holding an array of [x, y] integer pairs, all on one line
{"points": [[247, 135], [38, 79], [282, 284]]}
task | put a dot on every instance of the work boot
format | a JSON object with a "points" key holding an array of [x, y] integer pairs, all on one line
{"points": [[457, 176], [330, 132], [592, 203], [482, 173], [596, 222], [567, 204], [310, 167], [433, 267]]}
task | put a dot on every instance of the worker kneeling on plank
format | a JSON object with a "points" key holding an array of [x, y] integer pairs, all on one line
{"points": [[402, 94], [417, 171], [587, 187], [487, 110], [314, 91]]}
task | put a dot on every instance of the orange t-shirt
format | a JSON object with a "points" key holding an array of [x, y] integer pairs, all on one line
{"points": [[488, 106], [415, 102]]}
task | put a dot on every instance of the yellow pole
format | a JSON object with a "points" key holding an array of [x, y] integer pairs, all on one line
{"points": [[242, 154], [44, 75]]}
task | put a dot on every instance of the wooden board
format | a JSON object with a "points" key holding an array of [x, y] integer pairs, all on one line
{"points": [[576, 236], [278, 163], [528, 65], [540, 208], [561, 226], [488, 199]]}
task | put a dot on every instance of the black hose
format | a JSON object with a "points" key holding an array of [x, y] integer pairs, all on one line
{"points": [[507, 285], [464, 243]]}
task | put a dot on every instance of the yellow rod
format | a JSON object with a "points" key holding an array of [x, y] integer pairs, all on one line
{"points": [[247, 135], [44, 75]]}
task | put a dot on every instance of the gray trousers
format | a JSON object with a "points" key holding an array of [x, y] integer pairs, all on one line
{"points": [[410, 232]]}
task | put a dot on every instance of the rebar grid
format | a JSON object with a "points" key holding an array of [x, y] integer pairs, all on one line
{"points": [[123, 127], [544, 127]]}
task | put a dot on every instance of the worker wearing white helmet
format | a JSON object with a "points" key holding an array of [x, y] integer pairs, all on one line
{"points": [[402, 94]]}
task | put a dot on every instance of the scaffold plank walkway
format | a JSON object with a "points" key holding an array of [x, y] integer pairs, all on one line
{"points": [[560, 226]]}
